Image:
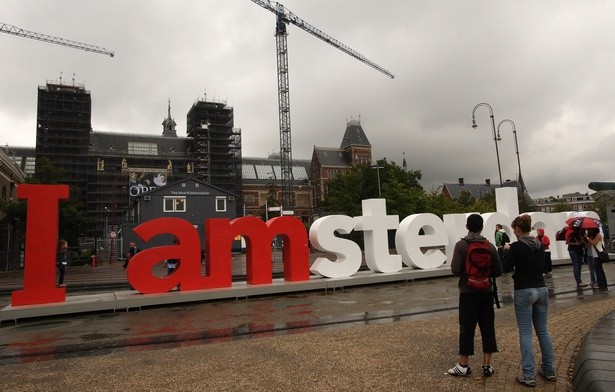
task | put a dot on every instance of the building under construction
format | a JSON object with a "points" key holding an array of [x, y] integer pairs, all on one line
{"points": [[110, 168], [64, 114], [217, 144]]}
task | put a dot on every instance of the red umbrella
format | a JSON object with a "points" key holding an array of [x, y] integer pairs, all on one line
{"points": [[583, 222], [563, 233]]}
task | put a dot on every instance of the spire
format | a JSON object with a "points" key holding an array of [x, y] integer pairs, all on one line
{"points": [[404, 165], [168, 124]]}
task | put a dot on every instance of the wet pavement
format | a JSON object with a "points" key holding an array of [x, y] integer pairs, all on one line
{"points": [[395, 336]]}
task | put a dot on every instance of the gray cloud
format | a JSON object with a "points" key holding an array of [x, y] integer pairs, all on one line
{"points": [[545, 65]]}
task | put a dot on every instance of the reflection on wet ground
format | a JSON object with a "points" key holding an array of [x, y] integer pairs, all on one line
{"points": [[221, 321]]}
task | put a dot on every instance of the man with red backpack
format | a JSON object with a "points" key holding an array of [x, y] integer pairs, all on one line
{"points": [[477, 263]]}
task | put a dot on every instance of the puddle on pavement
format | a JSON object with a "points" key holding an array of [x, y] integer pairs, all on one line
{"points": [[38, 326]]}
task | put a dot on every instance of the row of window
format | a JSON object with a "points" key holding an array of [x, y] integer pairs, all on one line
{"points": [[178, 204]]}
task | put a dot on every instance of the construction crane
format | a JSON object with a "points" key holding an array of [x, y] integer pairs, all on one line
{"points": [[284, 17], [14, 30]]}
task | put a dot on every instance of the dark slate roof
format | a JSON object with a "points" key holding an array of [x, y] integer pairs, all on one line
{"points": [[477, 191], [354, 135], [259, 171], [331, 157]]}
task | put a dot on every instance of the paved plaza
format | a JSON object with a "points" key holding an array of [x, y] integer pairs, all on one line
{"points": [[393, 337]]}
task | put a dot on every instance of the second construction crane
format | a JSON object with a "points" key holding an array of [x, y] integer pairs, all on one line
{"points": [[14, 30], [284, 17]]}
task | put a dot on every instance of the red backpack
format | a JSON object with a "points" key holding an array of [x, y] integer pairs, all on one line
{"points": [[478, 265]]}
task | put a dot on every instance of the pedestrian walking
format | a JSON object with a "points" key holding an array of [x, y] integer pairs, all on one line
{"points": [[476, 295], [531, 300], [62, 261]]}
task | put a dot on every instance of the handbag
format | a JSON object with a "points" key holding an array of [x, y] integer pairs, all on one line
{"points": [[602, 255]]}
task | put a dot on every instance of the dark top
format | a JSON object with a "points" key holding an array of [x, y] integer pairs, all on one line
{"points": [[133, 251], [527, 258], [62, 258], [459, 258], [575, 242]]}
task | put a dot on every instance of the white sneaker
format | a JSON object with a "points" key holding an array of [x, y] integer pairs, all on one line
{"points": [[460, 370]]}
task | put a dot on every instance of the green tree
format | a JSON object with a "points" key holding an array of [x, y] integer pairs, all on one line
{"points": [[400, 188], [465, 198], [74, 221], [439, 204], [272, 199]]}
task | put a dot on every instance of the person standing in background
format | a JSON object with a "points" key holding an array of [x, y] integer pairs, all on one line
{"points": [[576, 250], [132, 250], [501, 238], [545, 243], [594, 240], [62, 261]]}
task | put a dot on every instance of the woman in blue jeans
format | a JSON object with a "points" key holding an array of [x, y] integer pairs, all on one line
{"points": [[526, 258]]}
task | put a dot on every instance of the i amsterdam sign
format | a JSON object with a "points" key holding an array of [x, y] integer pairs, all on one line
{"points": [[422, 241]]}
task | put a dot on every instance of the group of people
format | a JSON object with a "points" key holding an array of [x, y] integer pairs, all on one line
{"points": [[529, 259], [585, 245], [526, 259]]}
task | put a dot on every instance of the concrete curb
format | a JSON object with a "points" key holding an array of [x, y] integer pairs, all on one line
{"points": [[594, 368]]}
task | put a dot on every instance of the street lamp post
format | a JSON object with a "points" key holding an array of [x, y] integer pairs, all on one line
{"points": [[495, 136], [514, 128], [378, 172]]}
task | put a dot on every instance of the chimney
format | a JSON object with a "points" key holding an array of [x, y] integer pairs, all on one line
{"points": [[461, 181], [488, 181]]}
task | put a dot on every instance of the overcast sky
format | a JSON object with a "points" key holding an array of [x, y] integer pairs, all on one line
{"points": [[549, 66]]}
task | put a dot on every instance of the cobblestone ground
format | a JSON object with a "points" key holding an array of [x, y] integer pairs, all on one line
{"points": [[408, 355]]}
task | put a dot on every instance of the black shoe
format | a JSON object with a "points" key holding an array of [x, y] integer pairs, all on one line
{"points": [[488, 370], [547, 376]]}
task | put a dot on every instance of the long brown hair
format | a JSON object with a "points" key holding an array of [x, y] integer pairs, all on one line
{"points": [[523, 223]]}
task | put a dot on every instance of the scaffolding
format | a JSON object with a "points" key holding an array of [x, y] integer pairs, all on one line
{"points": [[217, 145], [64, 124]]}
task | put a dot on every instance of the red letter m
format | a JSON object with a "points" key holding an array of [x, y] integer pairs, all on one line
{"points": [[259, 235]]}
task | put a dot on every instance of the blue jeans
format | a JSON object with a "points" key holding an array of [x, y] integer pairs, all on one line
{"points": [[531, 308], [577, 262]]}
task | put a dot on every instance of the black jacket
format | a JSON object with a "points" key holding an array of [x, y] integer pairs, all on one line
{"points": [[527, 259]]}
